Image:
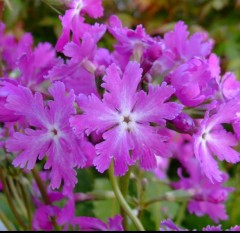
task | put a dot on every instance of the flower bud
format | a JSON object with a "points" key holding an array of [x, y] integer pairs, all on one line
{"points": [[184, 123]]}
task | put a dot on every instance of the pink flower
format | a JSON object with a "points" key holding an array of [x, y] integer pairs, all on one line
{"points": [[12, 49], [229, 86], [207, 198], [124, 116], [78, 72], [212, 139], [94, 224], [73, 20], [33, 68], [51, 136], [193, 82], [179, 48], [129, 42]]}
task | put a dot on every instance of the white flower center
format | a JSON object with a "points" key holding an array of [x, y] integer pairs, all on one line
{"points": [[54, 132], [78, 7], [126, 120]]}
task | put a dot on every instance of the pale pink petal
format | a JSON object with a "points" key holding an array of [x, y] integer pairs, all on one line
{"points": [[117, 144], [97, 115], [151, 107], [220, 143], [32, 144]]}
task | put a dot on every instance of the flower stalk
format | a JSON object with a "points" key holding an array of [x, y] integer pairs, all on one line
{"points": [[124, 205]]}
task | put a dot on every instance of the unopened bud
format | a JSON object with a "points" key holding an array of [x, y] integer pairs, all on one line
{"points": [[184, 123]]}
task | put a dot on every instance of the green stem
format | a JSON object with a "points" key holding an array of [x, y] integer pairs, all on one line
{"points": [[154, 200], [172, 196], [52, 7], [6, 223], [27, 204], [124, 182], [93, 196], [122, 201], [16, 196], [181, 213], [10, 202], [41, 187]]}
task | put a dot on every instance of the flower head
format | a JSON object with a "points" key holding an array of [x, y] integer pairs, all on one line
{"points": [[212, 139], [49, 136], [124, 116]]}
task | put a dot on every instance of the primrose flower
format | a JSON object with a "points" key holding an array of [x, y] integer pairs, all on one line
{"points": [[193, 82], [132, 43], [179, 48], [212, 139], [207, 198], [124, 116], [168, 225], [73, 20], [77, 73], [50, 134], [94, 224]]}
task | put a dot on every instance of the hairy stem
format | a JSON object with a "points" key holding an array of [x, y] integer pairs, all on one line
{"points": [[122, 201]]}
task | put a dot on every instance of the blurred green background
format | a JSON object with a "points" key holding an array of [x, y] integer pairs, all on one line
{"points": [[219, 18]]}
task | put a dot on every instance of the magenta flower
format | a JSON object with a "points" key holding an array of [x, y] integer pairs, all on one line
{"points": [[193, 82], [73, 20], [7, 115], [78, 72], [33, 68], [124, 116], [12, 49], [207, 198], [179, 48], [168, 225], [229, 86], [129, 42], [212, 139], [51, 136], [42, 216], [94, 224]]}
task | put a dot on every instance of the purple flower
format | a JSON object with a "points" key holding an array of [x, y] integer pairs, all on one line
{"points": [[73, 20], [33, 68], [229, 86], [12, 49], [212, 139], [130, 42], [78, 72], [51, 136], [7, 115], [168, 225], [193, 82], [94, 224], [124, 116], [42, 217], [207, 198]]}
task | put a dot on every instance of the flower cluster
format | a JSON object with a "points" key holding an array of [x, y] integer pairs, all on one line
{"points": [[141, 104]]}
